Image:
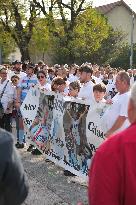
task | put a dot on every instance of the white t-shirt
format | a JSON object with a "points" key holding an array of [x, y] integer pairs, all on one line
{"points": [[131, 81], [110, 85], [8, 94], [86, 91], [47, 87], [118, 108], [12, 73], [97, 80], [101, 77], [93, 104], [66, 90], [72, 78]]}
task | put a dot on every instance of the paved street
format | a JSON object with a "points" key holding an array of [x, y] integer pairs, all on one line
{"points": [[48, 185]]}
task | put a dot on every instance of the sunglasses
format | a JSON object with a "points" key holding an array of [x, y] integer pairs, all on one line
{"points": [[40, 76], [73, 89], [14, 81]]}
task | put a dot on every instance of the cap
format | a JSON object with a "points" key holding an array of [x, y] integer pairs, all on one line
{"points": [[16, 62], [57, 66], [40, 62], [2, 67], [30, 65], [66, 66]]}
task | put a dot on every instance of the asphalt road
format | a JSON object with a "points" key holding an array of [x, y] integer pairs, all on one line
{"points": [[48, 185]]}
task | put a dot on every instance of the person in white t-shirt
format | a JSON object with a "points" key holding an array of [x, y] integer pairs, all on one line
{"points": [[58, 85], [130, 73], [116, 117], [74, 74], [16, 71], [71, 76], [50, 75], [74, 88], [99, 91], [6, 99], [111, 88], [41, 75], [96, 77], [86, 91]]}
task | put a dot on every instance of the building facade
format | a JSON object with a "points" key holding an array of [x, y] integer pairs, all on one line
{"points": [[121, 17]]}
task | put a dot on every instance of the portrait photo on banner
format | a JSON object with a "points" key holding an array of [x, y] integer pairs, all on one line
{"points": [[41, 126], [74, 123], [67, 131]]}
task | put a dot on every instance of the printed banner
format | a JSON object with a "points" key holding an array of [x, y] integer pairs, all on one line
{"points": [[66, 130]]}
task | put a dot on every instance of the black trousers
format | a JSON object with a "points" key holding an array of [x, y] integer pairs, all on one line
{"points": [[5, 122]]}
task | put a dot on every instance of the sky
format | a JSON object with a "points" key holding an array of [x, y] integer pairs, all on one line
{"points": [[131, 3]]}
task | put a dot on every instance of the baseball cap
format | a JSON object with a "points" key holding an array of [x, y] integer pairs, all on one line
{"points": [[16, 62], [2, 67], [30, 65]]}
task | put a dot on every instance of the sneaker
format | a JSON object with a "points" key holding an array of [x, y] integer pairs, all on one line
{"points": [[30, 148], [68, 173], [36, 152], [19, 146]]}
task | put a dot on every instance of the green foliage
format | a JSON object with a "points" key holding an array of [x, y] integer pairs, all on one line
{"points": [[123, 60], [17, 23], [7, 45], [90, 31], [40, 41], [110, 48], [79, 34], [86, 38]]}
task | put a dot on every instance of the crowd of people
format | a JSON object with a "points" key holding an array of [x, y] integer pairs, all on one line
{"points": [[76, 81], [93, 84]]}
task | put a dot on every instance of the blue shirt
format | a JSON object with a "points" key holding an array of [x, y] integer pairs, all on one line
{"points": [[25, 84]]}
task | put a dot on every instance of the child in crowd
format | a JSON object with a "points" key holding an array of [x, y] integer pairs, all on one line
{"points": [[99, 91], [74, 89], [58, 85], [14, 80]]}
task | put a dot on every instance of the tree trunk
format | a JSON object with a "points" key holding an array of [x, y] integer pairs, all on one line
{"points": [[25, 53]]}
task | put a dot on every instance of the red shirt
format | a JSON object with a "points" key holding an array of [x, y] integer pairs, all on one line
{"points": [[112, 178]]}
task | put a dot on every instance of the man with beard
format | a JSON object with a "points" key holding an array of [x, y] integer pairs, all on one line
{"points": [[16, 70], [86, 91]]}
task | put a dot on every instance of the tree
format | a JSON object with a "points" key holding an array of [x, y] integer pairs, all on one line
{"points": [[40, 42], [48, 12], [110, 48], [67, 13], [15, 22], [7, 44], [90, 31], [123, 59]]}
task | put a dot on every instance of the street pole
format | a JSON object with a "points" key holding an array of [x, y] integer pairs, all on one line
{"points": [[132, 31]]}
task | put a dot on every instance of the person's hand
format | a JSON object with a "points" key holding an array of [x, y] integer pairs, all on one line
{"points": [[80, 203], [17, 104], [83, 98], [109, 133], [109, 102]]}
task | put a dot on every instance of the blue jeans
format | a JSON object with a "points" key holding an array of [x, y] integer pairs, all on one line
{"points": [[21, 136]]}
